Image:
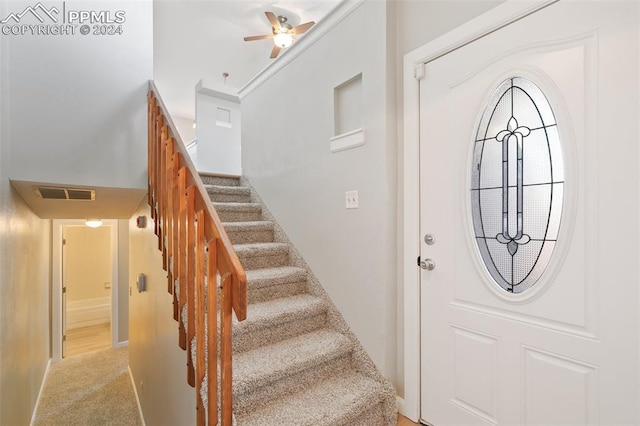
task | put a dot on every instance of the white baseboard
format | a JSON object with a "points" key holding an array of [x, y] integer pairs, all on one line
{"points": [[400, 405], [84, 313], [124, 344], [44, 379], [402, 409], [135, 392]]}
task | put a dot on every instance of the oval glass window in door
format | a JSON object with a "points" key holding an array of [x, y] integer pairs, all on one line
{"points": [[517, 182]]}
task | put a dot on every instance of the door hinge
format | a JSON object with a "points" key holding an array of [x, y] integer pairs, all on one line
{"points": [[64, 241], [419, 71], [64, 337], [64, 290]]}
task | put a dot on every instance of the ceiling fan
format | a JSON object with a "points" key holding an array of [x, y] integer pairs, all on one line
{"points": [[282, 32]]}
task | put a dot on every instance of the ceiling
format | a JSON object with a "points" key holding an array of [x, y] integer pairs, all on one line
{"points": [[202, 39]]}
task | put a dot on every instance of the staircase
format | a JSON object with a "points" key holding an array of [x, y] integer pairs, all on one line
{"points": [[295, 361]]}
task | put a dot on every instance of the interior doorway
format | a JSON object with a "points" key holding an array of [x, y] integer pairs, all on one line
{"points": [[86, 276], [85, 287]]}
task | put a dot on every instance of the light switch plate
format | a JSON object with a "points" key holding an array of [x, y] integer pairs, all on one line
{"points": [[351, 199]]}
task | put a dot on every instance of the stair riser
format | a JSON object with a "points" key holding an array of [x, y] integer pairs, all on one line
{"points": [[239, 216], [259, 262], [218, 197], [261, 396], [220, 181], [372, 415], [248, 237], [265, 294], [251, 339]]}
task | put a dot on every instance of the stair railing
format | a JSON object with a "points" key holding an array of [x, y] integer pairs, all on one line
{"points": [[198, 256]]}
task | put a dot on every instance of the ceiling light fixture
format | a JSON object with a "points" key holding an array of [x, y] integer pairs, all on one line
{"points": [[93, 223], [283, 39]]}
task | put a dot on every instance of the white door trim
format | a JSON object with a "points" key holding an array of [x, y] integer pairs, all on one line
{"points": [[494, 19], [56, 275]]}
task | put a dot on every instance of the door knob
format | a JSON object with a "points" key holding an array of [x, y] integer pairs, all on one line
{"points": [[428, 264]]}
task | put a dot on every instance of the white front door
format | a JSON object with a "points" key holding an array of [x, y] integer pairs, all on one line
{"points": [[530, 189]]}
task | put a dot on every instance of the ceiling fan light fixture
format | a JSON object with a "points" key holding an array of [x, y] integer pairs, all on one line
{"points": [[283, 39]]}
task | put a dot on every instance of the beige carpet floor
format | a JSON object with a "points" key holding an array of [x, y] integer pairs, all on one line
{"points": [[92, 389]]}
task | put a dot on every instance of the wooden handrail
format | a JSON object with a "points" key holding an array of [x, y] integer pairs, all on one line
{"points": [[199, 259]]}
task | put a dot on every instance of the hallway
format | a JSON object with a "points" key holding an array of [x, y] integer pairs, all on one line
{"points": [[92, 389]]}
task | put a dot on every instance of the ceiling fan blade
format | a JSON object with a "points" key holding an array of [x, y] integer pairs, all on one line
{"points": [[260, 37], [275, 51], [275, 23], [302, 28]]}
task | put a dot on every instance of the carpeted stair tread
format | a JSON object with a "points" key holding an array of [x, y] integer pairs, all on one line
{"points": [[339, 400], [258, 231], [231, 194], [267, 277], [238, 212], [275, 283], [262, 255], [267, 364], [258, 249], [257, 225], [212, 179], [223, 189], [278, 311], [237, 207], [279, 319]]}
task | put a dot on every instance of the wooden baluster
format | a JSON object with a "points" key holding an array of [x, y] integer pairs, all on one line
{"points": [[156, 167], [169, 216], [149, 145], [212, 325], [191, 275], [200, 307], [226, 349], [177, 260], [182, 257], [162, 195], [153, 142]]}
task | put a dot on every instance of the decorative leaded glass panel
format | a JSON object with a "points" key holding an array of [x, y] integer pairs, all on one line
{"points": [[517, 184]]}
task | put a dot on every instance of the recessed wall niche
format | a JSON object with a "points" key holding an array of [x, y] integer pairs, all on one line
{"points": [[347, 115], [223, 118]]}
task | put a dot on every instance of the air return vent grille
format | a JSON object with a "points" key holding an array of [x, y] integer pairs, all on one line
{"points": [[54, 193]]}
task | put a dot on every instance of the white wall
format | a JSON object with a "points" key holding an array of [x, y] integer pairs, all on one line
{"points": [[24, 286], [77, 104], [24, 306], [87, 269], [185, 128], [87, 265], [354, 253], [157, 362], [218, 149], [286, 156]]}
